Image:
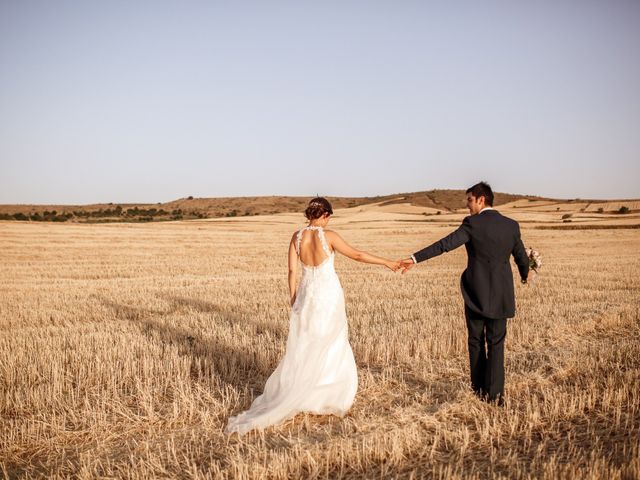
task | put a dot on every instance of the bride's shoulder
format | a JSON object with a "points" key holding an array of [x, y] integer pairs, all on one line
{"points": [[331, 235]]}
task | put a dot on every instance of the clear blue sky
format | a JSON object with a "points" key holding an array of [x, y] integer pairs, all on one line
{"points": [[131, 101]]}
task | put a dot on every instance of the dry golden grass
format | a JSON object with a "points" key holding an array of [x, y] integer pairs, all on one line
{"points": [[124, 348]]}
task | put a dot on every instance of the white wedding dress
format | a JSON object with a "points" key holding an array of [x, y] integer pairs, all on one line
{"points": [[318, 372]]}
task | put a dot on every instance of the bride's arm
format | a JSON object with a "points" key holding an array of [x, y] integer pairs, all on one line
{"points": [[338, 244], [293, 267]]}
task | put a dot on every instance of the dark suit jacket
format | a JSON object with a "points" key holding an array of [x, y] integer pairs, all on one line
{"points": [[487, 283]]}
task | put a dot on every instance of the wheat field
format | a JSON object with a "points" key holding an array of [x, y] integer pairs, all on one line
{"points": [[125, 347]]}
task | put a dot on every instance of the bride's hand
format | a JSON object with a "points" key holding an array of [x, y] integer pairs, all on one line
{"points": [[292, 300], [393, 266]]}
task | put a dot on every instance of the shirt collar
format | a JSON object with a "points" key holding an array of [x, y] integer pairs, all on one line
{"points": [[485, 209]]}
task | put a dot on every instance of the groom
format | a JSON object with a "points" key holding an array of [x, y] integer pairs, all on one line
{"points": [[487, 285]]}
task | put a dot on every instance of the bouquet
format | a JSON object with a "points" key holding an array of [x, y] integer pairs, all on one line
{"points": [[535, 262]]}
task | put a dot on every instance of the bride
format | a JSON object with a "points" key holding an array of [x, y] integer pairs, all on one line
{"points": [[317, 373]]}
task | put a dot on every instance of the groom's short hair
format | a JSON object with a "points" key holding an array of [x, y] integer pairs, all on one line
{"points": [[482, 189]]}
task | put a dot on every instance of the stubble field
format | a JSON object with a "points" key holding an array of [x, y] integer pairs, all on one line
{"points": [[124, 349]]}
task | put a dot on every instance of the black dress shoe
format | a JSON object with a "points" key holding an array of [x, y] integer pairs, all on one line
{"points": [[481, 394], [498, 401]]}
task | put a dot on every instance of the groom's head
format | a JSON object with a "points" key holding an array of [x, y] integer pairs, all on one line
{"points": [[478, 197]]}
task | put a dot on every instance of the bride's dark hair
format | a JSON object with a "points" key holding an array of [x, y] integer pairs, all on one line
{"points": [[317, 208]]}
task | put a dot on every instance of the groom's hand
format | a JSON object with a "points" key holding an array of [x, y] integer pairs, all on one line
{"points": [[406, 264]]}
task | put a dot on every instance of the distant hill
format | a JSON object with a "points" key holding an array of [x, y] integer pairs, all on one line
{"points": [[189, 207], [449, 200]]}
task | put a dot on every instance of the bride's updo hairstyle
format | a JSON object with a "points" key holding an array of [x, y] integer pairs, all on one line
{"points": [[318, 207]]}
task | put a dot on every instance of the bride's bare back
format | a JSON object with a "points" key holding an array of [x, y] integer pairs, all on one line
{"points": [[312, 251]]}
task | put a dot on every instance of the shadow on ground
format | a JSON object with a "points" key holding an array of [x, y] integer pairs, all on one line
{"points": [[212, 358]]}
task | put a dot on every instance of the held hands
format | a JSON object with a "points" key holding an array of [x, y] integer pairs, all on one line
{"points": [[393, 266], [396, 265], [406, 264]]}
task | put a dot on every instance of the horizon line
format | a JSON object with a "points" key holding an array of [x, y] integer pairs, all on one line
{"points": [[328, 196]]}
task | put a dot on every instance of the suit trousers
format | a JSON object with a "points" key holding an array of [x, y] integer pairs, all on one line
{"points": [[486, 354]]}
